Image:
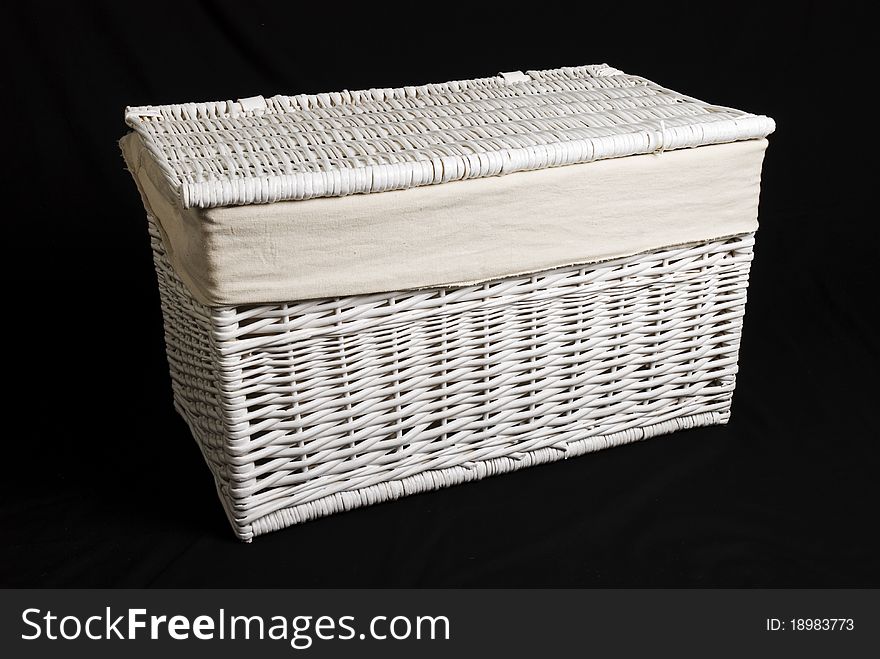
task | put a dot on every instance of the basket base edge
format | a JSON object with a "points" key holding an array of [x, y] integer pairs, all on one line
{"points": [[449, 476]]}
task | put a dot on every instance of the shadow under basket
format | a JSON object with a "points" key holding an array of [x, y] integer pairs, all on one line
{"points": [[310, 408]]}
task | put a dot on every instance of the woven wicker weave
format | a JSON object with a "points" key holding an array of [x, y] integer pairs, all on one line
{"points": [[305, 409], [259, 150]]}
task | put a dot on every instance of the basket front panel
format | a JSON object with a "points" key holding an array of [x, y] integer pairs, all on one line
{"points": [[306, 408]]}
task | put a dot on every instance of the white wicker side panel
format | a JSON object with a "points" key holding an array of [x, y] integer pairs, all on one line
{"points": [[308, 408], [195, 376]]}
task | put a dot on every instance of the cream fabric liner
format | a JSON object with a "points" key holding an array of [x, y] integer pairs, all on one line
{"points": [[453, 233]]}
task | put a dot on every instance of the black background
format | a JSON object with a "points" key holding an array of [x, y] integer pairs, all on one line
{"points": [[102, 484]]}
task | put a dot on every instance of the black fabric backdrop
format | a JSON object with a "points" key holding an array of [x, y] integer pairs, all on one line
{"points": [[103, 485]]}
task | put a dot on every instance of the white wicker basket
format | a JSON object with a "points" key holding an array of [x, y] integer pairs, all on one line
{"points": [[306, 408]]}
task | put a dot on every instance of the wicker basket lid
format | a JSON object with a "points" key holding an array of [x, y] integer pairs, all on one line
{"points": [[261, 150]]}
